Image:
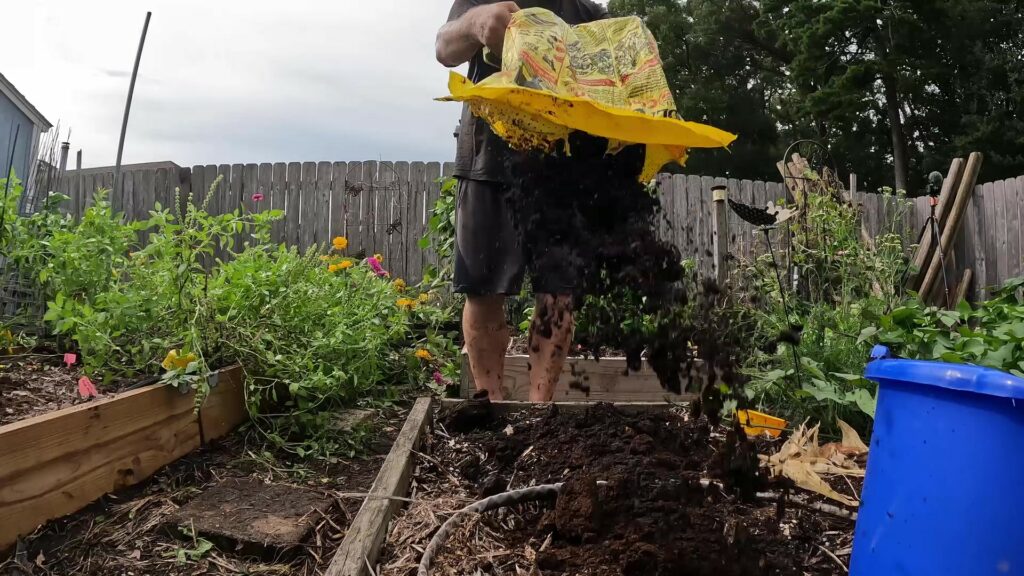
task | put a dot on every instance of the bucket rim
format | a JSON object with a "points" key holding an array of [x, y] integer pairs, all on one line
{"points": [[959, 377]]}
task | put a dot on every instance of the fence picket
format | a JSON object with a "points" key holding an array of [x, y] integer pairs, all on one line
{"points": [[339, 206]]}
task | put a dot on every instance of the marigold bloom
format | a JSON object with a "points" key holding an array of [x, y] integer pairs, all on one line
{"points": [[424, 297], [424, 354], [344, 264], [399, 284]]}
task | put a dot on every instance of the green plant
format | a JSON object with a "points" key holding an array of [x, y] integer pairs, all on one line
{"points": [[843, 287], [989, 334], [200, 547], [441, 233]]}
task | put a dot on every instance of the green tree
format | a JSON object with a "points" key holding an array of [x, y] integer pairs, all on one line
{"points": [[894, 87]]}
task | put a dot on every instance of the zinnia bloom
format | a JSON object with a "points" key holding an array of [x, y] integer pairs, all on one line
{"points": [[438, 378], [406, 303], [424, 297], [376, 267], [339, 243], [257, 197], [424, 354], [399, 284], [379, 258], [344, 264], [332, 268]]}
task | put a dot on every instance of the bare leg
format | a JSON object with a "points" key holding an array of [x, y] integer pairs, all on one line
{"points": [[550, 336], [486, 334]]}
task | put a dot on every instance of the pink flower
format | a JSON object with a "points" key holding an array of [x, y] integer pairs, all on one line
{"points": [[257, 197], [376, 267], [438, 378]]}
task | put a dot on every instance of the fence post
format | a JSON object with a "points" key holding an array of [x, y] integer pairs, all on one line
{"points": [[721, 209]]}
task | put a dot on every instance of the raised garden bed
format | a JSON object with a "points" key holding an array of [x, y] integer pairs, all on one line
{"points": [[55, 463], [586, 380], [635, 502]]}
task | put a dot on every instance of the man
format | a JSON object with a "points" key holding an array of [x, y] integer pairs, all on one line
{"points": [[489, 262]]}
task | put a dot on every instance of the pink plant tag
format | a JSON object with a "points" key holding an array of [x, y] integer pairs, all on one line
{"points": [[86, 388], [70, 359]]}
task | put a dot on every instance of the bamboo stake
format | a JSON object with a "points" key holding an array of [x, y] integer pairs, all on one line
{"points": [[963, 198], [927, 247]]}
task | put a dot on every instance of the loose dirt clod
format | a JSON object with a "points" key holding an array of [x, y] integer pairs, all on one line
{"points": [[578, 510]]}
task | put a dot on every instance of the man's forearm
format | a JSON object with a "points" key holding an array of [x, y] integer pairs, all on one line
{"points": [[457, 42]]}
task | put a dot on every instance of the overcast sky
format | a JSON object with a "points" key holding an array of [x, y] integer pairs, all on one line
{"points": [[237, 81]]}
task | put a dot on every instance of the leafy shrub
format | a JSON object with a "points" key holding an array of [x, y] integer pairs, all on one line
{"points": [[990, 334], [844, 287]]}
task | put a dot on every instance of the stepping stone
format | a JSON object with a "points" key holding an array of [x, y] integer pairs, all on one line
{"points": [[256, 518], [348, 420]]}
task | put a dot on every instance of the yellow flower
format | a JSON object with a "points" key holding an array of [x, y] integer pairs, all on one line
{"points": [[325, 258], [406, 303], [175, 361], [379, 258], [339, 243], [344, 264], [424, 297], [399, 284], [424, 354], [332, 268]]}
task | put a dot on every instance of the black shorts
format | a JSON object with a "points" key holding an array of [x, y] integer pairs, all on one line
{"points": [[489, 256]]}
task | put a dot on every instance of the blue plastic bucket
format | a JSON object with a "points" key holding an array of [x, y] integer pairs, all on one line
{"points": [[945, 473]]}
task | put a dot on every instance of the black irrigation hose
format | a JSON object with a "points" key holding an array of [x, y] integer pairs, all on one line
{"points": [[497, 501]]}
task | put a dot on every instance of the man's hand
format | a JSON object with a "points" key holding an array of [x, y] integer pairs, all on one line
{"points": [[459, 40], [490, 23]]}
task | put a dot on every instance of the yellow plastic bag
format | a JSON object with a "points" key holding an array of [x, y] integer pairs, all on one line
{"points": [[604, 78]]}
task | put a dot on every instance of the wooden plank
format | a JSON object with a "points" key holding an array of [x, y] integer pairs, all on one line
{"points": [[733, 240], [693, 239], [400, 244], [431, 195], [322, 205], [605, 379], [361, 546], [338, 202], [776, 192], [54, 464], [965, 247], [665, 218], [991, 238], [243, 198], [264, 175], [707, 241], [353, 222], [279, 201], [121, 199], [224, 408], [1001, 231], [368, 208], [293, 229], [385, 203], [210, 174], [415, 223], [945, 202], [504, 407], [747, 240], [675, 200], [161, 189], [198, 191], [1011, 204], [977, 208], [308, 206], [448, 170], [1019, 187]]}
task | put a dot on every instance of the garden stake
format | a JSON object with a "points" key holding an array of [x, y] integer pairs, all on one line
{"points": [[785, 307]]}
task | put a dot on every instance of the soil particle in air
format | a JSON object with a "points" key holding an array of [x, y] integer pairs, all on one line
{"points": [[586, 221]]}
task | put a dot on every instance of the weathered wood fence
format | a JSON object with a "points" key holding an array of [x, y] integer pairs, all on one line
{"points": [[383, 207]]}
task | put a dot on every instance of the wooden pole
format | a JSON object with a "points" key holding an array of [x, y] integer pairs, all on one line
{"points": [[962, 199], [963, 288], [128, 104], [721, 235], [927, 247]]}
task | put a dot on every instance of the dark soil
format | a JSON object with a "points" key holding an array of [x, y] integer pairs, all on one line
{"points": [[586, 220], [34, 384], [633, 503], [133, 531]]}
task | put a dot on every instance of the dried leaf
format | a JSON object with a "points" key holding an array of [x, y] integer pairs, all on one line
{"points": [[509, 430], [804, 477], [40, 559], [135, 554], [851, 439]]}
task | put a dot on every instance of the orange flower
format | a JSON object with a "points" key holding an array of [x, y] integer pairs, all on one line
{"points": [[339, 243], [344, 264], [406, 303], [424, 354]]}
